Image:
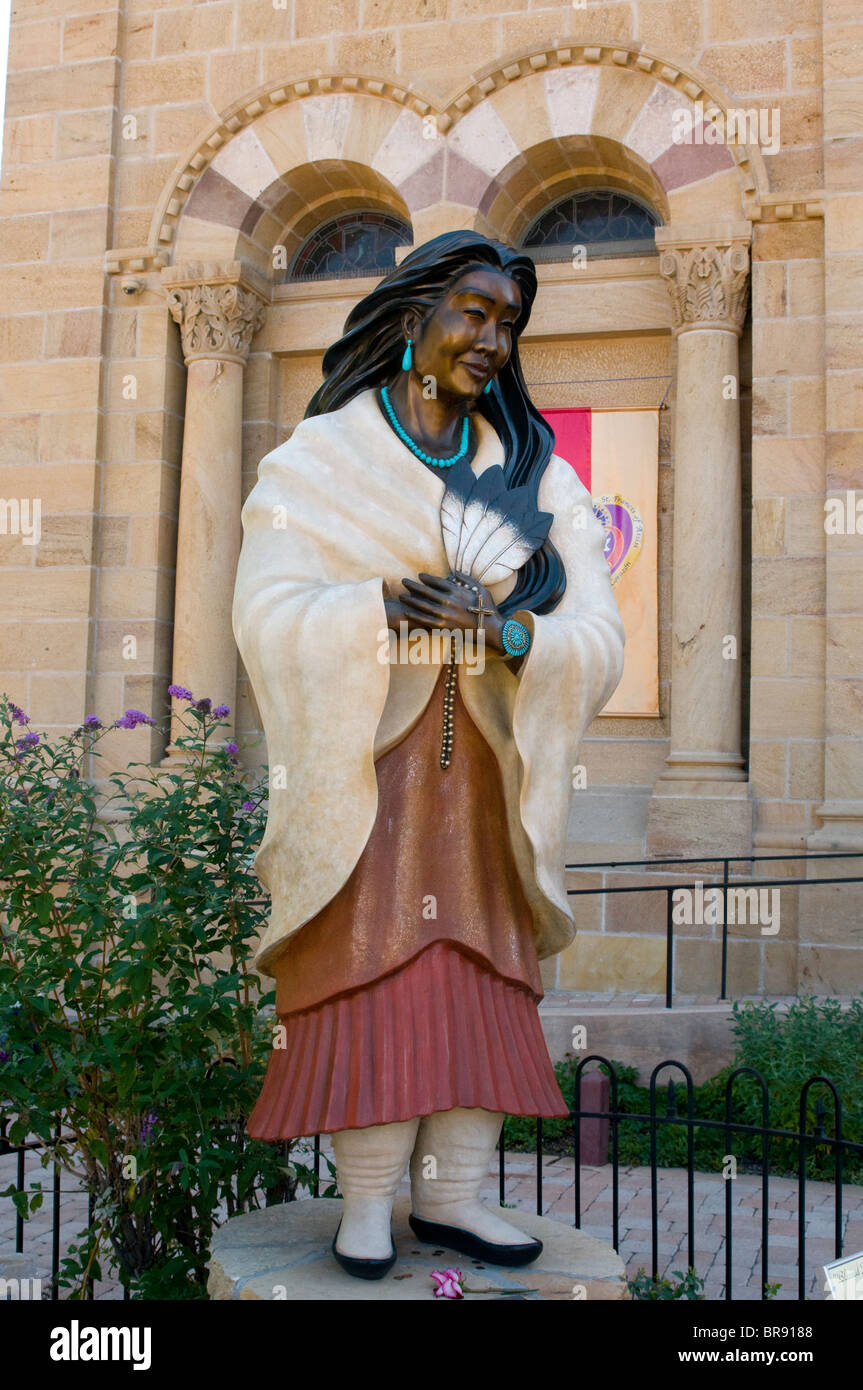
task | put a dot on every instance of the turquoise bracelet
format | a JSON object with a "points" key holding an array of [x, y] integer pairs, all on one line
{"points": [[515, 637]]}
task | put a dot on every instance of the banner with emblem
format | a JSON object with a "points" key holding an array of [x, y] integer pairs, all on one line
{"points": [[616, 455]]}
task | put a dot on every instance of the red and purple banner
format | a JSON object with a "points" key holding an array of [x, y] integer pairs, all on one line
{"points": [[616, 455]]}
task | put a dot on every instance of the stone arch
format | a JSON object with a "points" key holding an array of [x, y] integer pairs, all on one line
{"points": [[251, 178], [549, 170], [571, 92], [565, 127], [291, 168], [319, 193]]}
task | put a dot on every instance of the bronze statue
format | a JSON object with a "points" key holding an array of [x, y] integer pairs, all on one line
{"points": [[427, 620]]}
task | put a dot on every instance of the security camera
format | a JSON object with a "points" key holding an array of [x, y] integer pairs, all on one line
{"points": [[129, 285]]}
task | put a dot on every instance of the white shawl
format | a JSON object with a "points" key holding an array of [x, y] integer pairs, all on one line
{"points": [[309, 620]]}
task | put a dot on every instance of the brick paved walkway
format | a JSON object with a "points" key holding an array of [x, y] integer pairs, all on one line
{"points": [[709, 1225], [559, 1204]]}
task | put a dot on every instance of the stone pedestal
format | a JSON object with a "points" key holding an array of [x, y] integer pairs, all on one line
{"points": [[686, 817], [283, 1253]]}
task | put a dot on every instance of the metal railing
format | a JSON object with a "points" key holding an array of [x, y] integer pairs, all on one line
{"points": [[20, 1151], [806, 1141], [614, 1115], [669, 889], [58, 1192]]}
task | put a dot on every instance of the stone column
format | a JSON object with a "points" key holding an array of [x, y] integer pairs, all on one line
{"points": [[841, 811], [701, 799], [219, 309]]}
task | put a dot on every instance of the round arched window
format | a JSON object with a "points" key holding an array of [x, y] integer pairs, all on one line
{"points": [[356, 243], [604, 221]]}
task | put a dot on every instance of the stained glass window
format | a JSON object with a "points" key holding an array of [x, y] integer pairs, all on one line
{"points": [[603, 220], [357, 243]]}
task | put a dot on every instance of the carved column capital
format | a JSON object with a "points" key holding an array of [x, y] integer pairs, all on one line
{"points": [[706, 271], [219, 308]]}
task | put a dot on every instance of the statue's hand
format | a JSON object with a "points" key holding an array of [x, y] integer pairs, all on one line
{"points": [[436, 602], [396, 613]]}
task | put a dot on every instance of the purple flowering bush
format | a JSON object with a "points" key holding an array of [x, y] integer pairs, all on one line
{"points": [[128, 1004]]}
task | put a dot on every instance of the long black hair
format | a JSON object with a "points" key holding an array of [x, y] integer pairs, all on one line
{"points": [[369, 355]]}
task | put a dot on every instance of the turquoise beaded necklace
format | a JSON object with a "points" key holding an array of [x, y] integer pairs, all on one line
{"points": [[414, 448]]}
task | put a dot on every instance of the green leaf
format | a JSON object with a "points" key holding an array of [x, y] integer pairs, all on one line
{"points": [[42, 905], [19, 1200]]}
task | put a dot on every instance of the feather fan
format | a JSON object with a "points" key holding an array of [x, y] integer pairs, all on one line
{"points": [[489, 530]]}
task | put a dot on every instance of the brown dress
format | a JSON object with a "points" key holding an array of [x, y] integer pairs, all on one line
{"points": [[416, 988]]}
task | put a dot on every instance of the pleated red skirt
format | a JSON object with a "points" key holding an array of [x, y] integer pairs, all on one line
{"points": [[416, 989]]}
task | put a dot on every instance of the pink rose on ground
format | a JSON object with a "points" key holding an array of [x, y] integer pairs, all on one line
{"points": [[449, 1283]]}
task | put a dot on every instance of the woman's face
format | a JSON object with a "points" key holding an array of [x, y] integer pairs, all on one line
{"points": [[468, 337]]}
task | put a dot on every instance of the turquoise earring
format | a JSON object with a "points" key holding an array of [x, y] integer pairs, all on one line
{"points": [[487, 387], [408, 357]]}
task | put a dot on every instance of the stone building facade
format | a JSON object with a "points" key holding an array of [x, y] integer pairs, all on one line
{"points": [[164, 163]]}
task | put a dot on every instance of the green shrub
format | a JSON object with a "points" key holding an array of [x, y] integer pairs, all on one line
{"points": [[787, 1047], [688, 1285], [127, 1001], [810, 1038]]}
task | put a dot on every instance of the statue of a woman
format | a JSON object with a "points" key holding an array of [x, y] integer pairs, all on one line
{"points": [[418, 805]]}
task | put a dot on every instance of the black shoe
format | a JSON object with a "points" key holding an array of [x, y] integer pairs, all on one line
{"points": [[364, 1269], [466, 1243]]}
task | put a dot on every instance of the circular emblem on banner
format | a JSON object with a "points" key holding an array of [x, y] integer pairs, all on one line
{"points": [[624, 532]]}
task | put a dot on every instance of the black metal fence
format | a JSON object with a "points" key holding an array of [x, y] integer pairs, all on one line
{"points": [[725, 886], [57, 1192], [20, 1151], [806, 1140]]}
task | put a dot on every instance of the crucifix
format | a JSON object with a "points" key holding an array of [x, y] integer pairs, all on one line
{"points": [[480, 611]]}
